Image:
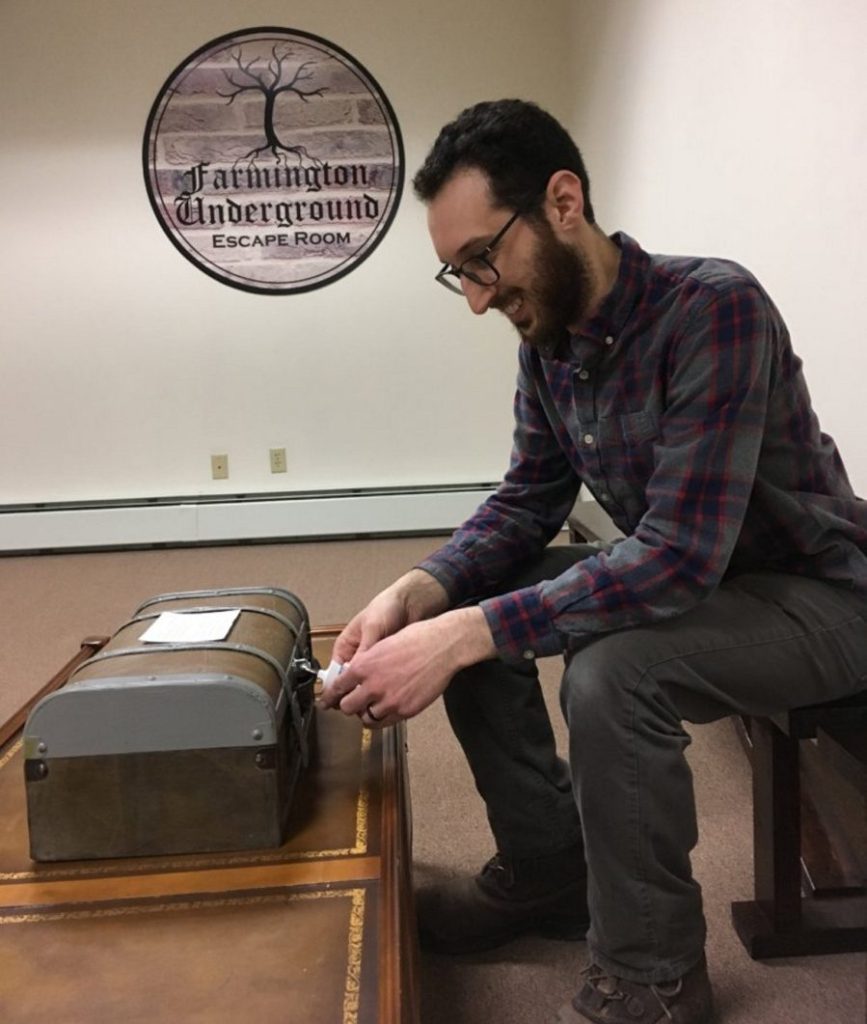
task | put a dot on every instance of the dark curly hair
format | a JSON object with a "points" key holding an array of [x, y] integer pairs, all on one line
{"points": [[516, 144]]}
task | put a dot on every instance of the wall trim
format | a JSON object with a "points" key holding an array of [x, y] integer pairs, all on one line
{"points": [[225, 519]]}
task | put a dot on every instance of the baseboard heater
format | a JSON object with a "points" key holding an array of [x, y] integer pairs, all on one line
{"points": [[226, 519]]}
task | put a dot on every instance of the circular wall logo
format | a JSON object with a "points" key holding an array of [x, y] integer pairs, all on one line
{"points": [[273, 160]]}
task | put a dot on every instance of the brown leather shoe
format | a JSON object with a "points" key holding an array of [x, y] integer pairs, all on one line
{"points": [[545, 895], [605, 999]]}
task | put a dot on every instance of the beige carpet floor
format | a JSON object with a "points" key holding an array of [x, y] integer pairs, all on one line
{"points": [[50, 602]]}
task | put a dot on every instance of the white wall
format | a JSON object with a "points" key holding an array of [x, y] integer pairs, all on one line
{"points": [[733, 127], [739, 128], [123, 367]]}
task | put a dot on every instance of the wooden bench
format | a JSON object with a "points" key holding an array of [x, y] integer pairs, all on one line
{"points": [[781, 920]]}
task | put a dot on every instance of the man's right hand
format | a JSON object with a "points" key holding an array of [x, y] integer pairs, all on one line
{"points": [[413, 597]]}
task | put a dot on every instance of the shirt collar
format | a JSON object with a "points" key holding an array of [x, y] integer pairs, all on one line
{"points": [[614, 312]]}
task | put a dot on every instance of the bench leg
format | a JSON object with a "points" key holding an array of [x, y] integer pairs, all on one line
{"points": [[777, 825], [778, 922]]}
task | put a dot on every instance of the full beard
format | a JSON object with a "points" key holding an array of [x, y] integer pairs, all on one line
{"points": [[559, 293]]}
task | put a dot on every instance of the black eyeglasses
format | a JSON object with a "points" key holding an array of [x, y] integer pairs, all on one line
{"points": [[478, 268]]}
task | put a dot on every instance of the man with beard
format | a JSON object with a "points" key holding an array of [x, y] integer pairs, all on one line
{"points": [[668, 386]]}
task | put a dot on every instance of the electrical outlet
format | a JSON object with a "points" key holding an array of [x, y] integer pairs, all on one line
{"points": [[220, 467], [278, 460]]}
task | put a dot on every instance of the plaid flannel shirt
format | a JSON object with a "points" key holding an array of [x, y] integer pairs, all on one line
{"points": [[683, 409]]}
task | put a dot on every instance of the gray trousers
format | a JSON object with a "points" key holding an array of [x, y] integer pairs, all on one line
{"points": [[761, 643]]}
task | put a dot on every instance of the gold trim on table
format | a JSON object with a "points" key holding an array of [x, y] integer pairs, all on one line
{"points": [[354, 947]]}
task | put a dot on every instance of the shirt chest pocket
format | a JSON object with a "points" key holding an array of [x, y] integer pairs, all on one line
{"points": [[626, 447], [631, 430]]}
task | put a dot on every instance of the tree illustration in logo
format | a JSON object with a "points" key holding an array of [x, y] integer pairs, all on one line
{"points": [[269, 82]]}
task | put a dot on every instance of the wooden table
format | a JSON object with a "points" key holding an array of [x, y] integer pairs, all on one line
{"points": [[319, 931]]}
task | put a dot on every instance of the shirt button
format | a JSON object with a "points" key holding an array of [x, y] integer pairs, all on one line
{"points": [[528, 655], [609, 340], [604, 496], [584, 375], [589, 439]]}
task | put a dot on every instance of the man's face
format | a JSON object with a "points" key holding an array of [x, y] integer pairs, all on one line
{"points": [[544, 286]]}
